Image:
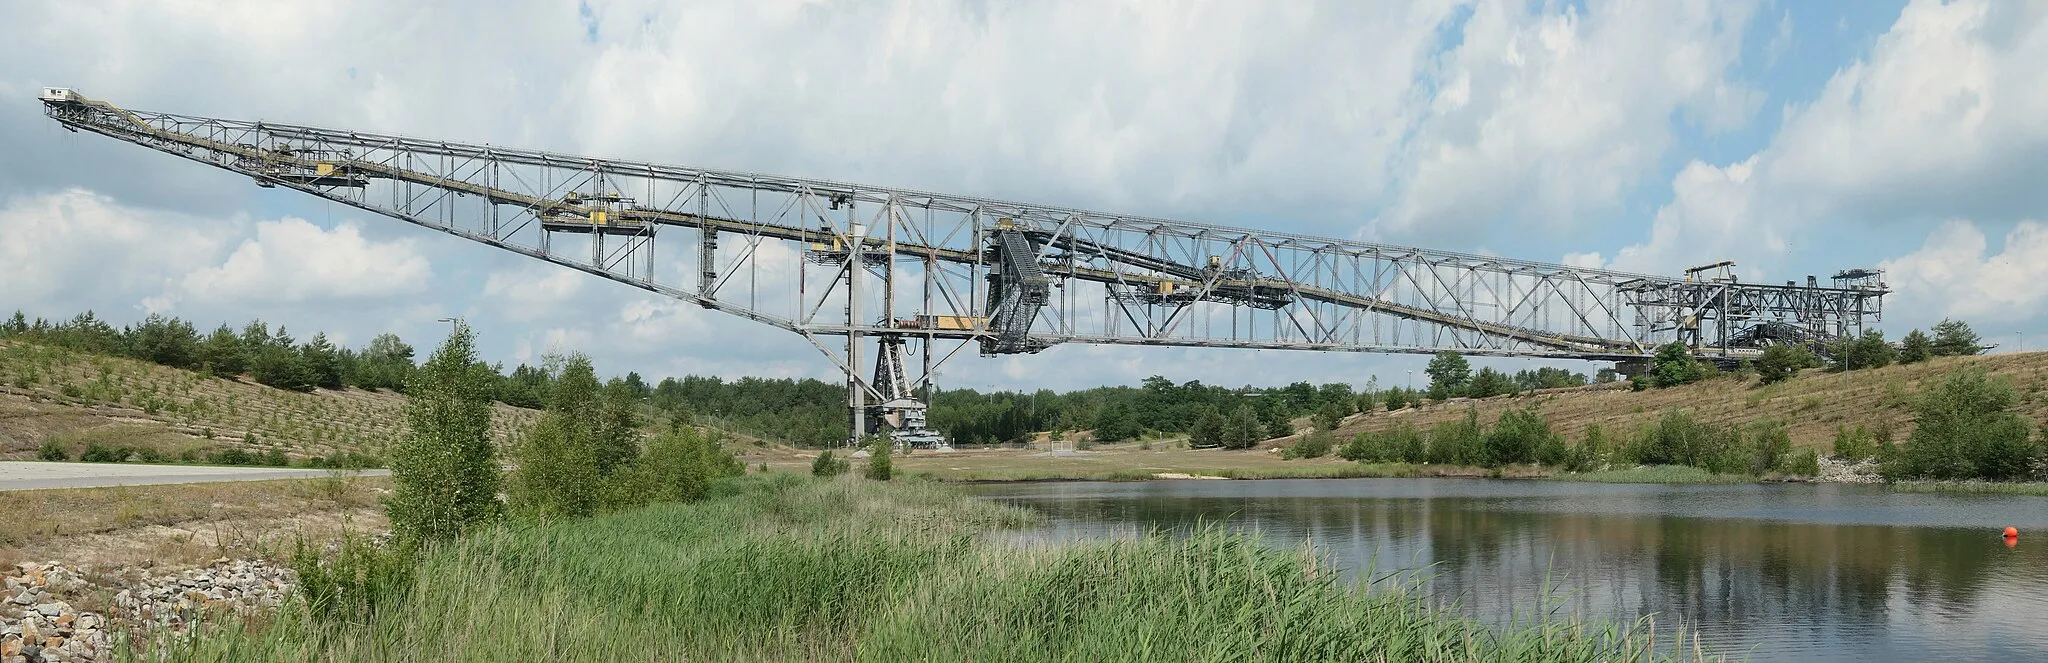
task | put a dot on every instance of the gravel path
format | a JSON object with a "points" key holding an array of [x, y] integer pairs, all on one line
{"points": [[33, 475]]}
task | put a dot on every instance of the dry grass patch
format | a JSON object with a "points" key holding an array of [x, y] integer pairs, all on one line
{"points": [[1812, 405], [183, 523]]}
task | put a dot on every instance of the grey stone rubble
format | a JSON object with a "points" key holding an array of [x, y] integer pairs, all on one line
{"points": [[38, 623], [1833, 470]]}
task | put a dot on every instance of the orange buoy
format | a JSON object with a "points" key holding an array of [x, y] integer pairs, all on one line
{"points": [[2012, 532]]}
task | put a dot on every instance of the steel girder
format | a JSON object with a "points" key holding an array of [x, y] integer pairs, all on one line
{"points": [[788, 251]]}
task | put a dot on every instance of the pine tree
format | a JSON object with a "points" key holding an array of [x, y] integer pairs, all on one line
{"points": [[1954, 338], [222, 353], [1208, 429], [322, 362], [1243, 430], [1917, 348]]}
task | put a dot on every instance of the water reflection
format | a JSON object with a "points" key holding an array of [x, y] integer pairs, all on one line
{"points": [[1783, 572]]}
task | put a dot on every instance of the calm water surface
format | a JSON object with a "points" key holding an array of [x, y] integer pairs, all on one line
{"points": [[1767, 572]]}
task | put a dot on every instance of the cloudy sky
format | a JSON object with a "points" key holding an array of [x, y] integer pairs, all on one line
{"points": [[1795, 138]]}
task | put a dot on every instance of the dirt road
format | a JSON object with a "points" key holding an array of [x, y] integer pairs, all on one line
{"points": [[32, 475]]}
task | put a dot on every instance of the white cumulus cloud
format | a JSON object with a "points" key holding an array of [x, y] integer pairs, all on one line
{"points": [[1543, 115], [292, 260], [1941, 119], [1954, 275], [70, 250]]}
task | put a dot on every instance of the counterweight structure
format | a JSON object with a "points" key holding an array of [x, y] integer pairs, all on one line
{"points": [[897, 267]]}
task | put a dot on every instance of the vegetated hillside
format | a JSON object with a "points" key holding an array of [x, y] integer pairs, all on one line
{"points": [[78, 398], [1811, 405]]}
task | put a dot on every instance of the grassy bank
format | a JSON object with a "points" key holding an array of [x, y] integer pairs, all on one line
{"points": [[1972, 488], [1657, 474], [791, 568], [1130, 464]]}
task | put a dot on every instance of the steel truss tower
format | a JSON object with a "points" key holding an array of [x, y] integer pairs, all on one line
{"points": [[822, 259]]}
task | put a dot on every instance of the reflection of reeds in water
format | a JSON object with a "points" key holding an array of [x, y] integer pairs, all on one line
{"points": [[794, 568], [1620, 553]]}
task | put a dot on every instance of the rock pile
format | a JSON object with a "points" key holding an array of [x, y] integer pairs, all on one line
{"points": [[39, 625], [225, 587], [1833, 470]]}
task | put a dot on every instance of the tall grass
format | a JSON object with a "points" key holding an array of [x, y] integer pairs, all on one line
{"points": [[1972, 488], [793, 568], [1658, 474]]}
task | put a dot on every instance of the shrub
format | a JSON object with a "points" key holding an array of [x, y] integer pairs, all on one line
{"points": [[1806, 463], [1315, 445], [355, 583], [351, 460], [825, 465], [1405, 439], [1769, 444], [879, 466], [1591, 452], [1966, 430], [1781, 362], [276, 458], [231, 457], [53, 450], [1854, 445], [1460, 442], [1554, 452], [679, 466], [1676, 439], [1674, 365], [1330, 415], [1516, 436], [1364, 447], [101, 453]]}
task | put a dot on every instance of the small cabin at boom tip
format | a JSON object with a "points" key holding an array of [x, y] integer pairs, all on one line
{"points": [[60, 94]]}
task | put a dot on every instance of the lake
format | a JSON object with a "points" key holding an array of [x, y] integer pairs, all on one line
{"points": [[1779, 572]]}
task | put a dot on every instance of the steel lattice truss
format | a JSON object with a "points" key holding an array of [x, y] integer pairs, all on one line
{"points": [[822, 258]]}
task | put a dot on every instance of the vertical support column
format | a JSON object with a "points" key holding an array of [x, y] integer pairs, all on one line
{"points": [[856, 399], [707, 243], [489, 203]]}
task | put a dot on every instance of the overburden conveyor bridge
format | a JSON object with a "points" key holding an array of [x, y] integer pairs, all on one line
{"points": [[894, 266]]}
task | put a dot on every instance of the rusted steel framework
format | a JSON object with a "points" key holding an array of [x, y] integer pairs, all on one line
{"points": [[822, 258]]}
